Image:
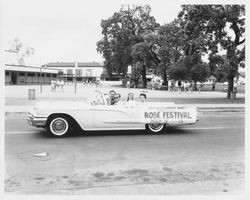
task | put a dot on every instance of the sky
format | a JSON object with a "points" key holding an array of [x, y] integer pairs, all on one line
{"points": [[67, 31]]}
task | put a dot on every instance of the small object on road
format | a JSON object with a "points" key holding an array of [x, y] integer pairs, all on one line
{"points": [[42, 154]]}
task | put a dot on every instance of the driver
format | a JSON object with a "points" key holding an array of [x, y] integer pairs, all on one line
{"points": [[112, 97], [117, 99]]}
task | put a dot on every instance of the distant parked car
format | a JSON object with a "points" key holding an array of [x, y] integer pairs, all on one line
{"points": [[242, 83], [207, 83], [225, 84]]}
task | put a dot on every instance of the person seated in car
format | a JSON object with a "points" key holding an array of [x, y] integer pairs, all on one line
{"points": [[112, 97], [142, 97], [130, 97], [117, 99]]}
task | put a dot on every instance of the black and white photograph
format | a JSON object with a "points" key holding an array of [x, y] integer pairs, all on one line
{"points": [[125, 98]]}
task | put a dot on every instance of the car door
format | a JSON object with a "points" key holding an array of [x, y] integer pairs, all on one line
{"points": [[83, 114], [116, 117]]}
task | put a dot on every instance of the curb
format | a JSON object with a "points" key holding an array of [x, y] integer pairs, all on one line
{"points": [[220, 109], [200, 110]]}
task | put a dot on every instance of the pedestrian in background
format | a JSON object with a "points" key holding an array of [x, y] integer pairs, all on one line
{"points": [[53, 85], [191, 87], [235, 86], [179, 86], [213, 86], [198, 85], [186, 86], [128, 83], [169, 85]]}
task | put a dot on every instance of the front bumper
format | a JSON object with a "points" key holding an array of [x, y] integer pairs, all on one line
{"points": [[36, 121]]}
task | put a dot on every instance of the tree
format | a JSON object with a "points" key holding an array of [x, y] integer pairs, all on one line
{"points": [[164, 47], [218, 65], [120, 32], [141, 54], [22, 51], [217, 26], [171, 41], [185, 69]]}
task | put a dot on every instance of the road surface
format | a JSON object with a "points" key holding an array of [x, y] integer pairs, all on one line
{"points": [[205, 158]]}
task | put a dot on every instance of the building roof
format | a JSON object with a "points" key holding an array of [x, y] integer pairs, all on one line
{"points": [[212, 77], [23, 68], [72, 64]]}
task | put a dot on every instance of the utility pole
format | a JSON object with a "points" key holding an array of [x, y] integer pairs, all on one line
{"points": [[75, 74], [41, 89], [41, 84]]}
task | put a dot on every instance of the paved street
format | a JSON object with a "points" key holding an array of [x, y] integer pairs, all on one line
{"points": [[205, 158]]}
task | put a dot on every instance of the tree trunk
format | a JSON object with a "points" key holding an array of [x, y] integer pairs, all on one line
{"points": [[165, 81], [233, 62], [230, 86], [144, 78], [195, 86]]}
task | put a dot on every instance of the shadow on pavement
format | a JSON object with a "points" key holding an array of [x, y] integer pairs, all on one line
{"points": [[79, 133]]}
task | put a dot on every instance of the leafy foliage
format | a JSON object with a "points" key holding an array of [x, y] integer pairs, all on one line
{"points": [[120, 32], [22, 51], [132, 37], [211, 27]]}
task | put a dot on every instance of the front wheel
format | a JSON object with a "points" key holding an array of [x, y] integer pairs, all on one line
{"points": [[59, 126], [155, 128]]}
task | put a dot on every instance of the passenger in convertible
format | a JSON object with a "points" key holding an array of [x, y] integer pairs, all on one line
{"points": [[112, 94], [142, 97]]}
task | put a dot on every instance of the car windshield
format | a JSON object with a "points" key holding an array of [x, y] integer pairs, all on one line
{"points": [[96, 99]]}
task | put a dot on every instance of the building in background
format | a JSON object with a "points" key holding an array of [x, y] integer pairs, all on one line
{"points": [[211, 79], [79, 71], [28, 75], [16, 74]]}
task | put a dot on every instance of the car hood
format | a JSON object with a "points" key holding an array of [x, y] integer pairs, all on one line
{"points": [[60, 104]]}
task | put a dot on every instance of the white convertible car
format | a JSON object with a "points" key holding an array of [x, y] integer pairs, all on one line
{"points": [[61, 117]]}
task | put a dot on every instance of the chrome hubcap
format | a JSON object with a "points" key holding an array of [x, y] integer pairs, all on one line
{"points": [[59, 126], [155, 127]]}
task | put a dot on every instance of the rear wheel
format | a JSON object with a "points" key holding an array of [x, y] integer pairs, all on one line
{"points": [[59, 126], [155, 128]]}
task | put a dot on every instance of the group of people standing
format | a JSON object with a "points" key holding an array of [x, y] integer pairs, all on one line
{"points": [[57, 84], [186, 86]]}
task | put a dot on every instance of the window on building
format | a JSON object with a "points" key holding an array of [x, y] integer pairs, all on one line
{"points": [[7, 73], [70, 71], [54, 75], [60, 72], [88, 72], [21, 74], [78, 72], [31, 74]]}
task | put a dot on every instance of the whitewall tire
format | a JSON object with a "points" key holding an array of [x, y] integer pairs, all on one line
{"points": [[59, 127], [155, 128]]}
